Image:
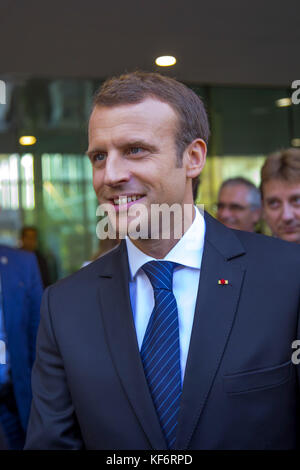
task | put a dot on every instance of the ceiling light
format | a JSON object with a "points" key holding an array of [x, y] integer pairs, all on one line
{"points": [[165, 61], [283, 102], [296, 142], [27, 140]]}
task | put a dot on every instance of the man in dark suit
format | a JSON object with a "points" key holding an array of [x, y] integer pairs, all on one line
{"points": [[166, 342], [20, 299]]}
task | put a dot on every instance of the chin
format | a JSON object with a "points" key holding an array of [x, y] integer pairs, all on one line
{"points": [[291, 237], [233, 226]]}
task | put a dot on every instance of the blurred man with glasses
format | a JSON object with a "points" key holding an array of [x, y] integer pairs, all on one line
{"points": [[239, 204]]}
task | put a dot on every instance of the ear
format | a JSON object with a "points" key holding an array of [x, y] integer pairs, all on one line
{"points": [[194, 158]]}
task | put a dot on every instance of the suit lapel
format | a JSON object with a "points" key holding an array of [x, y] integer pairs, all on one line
{"points": [[121, 337], [216, 306]]}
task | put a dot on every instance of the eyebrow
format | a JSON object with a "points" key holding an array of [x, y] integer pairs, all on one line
{"points": [[273, 198], [130, 143]]}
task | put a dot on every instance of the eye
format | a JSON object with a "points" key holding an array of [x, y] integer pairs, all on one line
{"points": [[135, 150], [98, 157], [273, 203], [296, 201]]}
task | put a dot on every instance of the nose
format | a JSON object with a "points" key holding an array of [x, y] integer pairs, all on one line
{"points": [[224, 214], [116, 170], [287, 212]]}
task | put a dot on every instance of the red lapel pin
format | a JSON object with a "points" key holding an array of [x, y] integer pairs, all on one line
{"points": [[223, 282]]}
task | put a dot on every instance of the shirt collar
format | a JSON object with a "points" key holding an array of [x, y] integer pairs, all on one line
{"points": [[187, 251]]}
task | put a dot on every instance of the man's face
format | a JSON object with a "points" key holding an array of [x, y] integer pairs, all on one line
{"points": [[133, 153], [29, 240], [234, 209], [281, 206]]}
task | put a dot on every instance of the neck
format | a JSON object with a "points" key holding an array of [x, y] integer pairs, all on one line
{"points": [[159, 248]]}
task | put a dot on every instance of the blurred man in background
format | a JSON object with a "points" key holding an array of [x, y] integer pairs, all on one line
{"points": [[20, 298], [29, 242], [280, 189], [239, 204]]}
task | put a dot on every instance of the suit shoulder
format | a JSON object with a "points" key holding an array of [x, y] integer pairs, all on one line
{"points": [[264, 246], [16, 254], [259, 239], [7, 250], [88, 273]]}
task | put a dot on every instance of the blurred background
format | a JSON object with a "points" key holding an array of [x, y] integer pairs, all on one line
{"points": [[240, 57]]}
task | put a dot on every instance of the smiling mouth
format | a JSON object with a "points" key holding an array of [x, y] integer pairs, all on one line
{"points": [[291, 229], [123, 200]]}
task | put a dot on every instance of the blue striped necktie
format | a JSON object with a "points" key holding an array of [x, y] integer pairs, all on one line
{"points": [[160, 351]]}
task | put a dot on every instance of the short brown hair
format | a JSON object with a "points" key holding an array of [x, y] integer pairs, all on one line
{"points": [[282, 165], [132, 88]]}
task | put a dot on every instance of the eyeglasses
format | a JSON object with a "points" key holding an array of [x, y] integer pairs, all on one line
{"points": [[232, 207]]}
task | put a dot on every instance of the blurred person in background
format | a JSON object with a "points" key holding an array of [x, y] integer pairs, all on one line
{"points": [[239, 204], [20, 299], [29, 242], [280, 190]]}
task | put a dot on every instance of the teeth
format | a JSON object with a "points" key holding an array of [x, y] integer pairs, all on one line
{"points": [[124, 199]]}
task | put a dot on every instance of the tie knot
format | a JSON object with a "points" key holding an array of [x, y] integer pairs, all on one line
{"points": [[160, 273]]}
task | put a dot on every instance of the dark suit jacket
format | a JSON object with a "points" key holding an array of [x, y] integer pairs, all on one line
{"points": [[22, 294], [240, 388], [3, 443]]}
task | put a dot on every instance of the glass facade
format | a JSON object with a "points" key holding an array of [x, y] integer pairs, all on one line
{"points": [[69, 209], [50, 185], [65, 212]]}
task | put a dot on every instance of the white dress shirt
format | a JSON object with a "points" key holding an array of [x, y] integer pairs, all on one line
{"points": [[187, 252]]}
